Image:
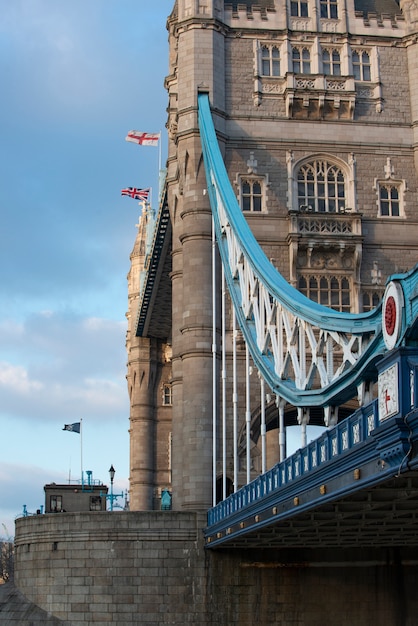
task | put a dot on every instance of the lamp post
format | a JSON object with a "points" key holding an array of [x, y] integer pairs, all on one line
{"points": [[112, 496], [112, 475]]}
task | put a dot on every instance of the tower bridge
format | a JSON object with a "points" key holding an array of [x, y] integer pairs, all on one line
{"points": [[276, 285], [356, 484]]}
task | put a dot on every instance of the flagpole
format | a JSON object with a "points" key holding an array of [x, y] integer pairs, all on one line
{"points": [[159, 156], [81, 451]]}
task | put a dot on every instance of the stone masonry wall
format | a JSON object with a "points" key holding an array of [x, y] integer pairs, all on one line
{"points": [[131, 568], [121, 567]]}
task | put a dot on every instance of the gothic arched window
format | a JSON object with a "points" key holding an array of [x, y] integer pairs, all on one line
{"points": [[331, 291], [361, 65], [331, 62], [270, 61], [321, 187], [301, 60], [251, 194], [389, 200]]}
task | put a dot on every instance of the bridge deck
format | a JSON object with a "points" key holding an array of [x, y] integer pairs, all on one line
{"points": [[383, 516], [363, 495]]}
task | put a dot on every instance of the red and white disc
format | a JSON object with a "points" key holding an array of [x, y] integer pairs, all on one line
{"points": [[393, 303]]}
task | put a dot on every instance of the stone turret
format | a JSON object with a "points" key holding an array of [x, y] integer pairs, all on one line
{"points": [[196, 35], [140, 368]]}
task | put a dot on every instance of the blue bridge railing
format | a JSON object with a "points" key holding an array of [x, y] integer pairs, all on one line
{"points": [[334, 442]]}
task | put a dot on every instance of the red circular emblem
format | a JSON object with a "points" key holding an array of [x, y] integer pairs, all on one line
{"points": [[390, 315]]}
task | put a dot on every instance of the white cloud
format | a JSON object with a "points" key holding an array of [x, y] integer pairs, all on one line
{"points": [[68, 365], [76, 75], [16, 378]]}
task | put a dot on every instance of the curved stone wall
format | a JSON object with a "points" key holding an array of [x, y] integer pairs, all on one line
{"points": [[150, 568], [119, 567]]}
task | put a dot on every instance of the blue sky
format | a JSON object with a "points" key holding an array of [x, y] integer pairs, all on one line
{"points": [[75, 76]]}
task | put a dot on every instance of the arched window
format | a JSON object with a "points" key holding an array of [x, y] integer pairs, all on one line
{"points": [[371, 300], [270, 61], [331, 62], [389, 201], [361, 65], [331, 291], [167, 395], [251, 194], [321, 187], [301, 60]]}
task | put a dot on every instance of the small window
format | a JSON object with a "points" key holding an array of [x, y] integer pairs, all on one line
{"points": [[389, 203], [371, 301], [167, 395], [270, 61], [298, 8], [331, 291], [251, 195], [301, 61], [95, 503], [55, 504], [361, 65], [329, 9], [331, 62]]}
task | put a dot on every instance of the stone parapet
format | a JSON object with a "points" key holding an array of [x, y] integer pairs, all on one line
{"points": [[103, 567], [130, 568]]}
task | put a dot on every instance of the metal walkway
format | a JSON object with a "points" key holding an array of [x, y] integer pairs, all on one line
{"points": [[357, 485]]}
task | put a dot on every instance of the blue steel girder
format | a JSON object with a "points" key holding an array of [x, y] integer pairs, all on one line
{"points": [[280, 325], [355, 485]]}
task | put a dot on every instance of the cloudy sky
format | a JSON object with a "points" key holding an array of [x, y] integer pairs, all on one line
{"points": [[75, 78]]}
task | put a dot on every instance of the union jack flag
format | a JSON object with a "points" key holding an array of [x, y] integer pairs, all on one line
{"points": [[136, 194], [143, 139]]}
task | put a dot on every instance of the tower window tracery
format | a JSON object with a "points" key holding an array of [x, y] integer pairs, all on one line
{"points": [[371, 299], [321, 187], [389, 202], [251, 194], [332, 290], [325, 231], [361, 65], [301, 60], [390, 192], [331, 62], [270, 61]]}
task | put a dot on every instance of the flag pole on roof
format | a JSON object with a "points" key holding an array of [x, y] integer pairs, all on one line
{"points": [[143, 139], [77, 427], [146, 139], [136, 193], [159, 154]]}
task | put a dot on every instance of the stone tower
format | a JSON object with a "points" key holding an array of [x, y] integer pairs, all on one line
{"points": [[322, 153], [148, 378]]}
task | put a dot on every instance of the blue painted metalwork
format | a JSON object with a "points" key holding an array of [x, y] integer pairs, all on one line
{"points": [[220, 190], [335, 442], [358, 335], [290, 489], [360, 452], [165, 500]]}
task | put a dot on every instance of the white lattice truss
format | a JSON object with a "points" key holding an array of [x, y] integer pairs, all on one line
{"points": [[307, 355]]}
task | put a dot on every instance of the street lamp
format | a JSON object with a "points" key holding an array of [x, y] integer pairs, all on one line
{"points": [[112, 476]]}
